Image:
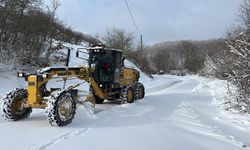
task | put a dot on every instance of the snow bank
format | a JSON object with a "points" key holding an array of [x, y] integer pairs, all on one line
{"points": [[216, 88]]}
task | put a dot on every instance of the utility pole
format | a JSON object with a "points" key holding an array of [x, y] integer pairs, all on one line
{"points": [[67, 65], [141, 44]]}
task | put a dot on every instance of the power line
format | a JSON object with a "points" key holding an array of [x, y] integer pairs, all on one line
{"points": [[132, 17], [136, 27]]}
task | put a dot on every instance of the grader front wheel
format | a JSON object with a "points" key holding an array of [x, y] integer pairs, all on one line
{"points": [[61, 108], [13, 105]]}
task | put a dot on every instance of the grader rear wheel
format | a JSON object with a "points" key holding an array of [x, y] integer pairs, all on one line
{"points": [[141, 91], [130, 96], [61, 108], [127, 95], [13, 105]]}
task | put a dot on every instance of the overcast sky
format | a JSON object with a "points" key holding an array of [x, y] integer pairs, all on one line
{"points": [[158, 20]]}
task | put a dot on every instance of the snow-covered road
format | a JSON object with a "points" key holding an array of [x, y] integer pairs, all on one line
{"points": [[176, 114]]}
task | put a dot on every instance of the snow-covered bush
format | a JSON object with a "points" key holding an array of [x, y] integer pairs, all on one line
{"points": [[233, 65], [219, 65], [240, 75]]}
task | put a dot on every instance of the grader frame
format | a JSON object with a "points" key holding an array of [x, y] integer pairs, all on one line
{"points": [[105, 73]]}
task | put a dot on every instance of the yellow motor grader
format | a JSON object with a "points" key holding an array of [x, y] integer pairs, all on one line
{"points": [[106, 74]]}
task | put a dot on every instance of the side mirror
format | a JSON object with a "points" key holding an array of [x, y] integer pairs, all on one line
{"points": [[123, 59], [82, 54]]}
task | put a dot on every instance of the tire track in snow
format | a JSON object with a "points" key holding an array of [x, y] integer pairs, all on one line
{"points": [[211, 129], [61, 138], [162, 87], [231, 138], [81, 132]]}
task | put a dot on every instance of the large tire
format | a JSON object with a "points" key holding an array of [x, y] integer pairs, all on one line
{"points": [[13, 105], [61, 108], [140, 91], [127, 95]]}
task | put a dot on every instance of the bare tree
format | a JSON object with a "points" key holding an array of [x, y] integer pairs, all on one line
{"points": [[244, 16], [191, 57], [29, 34], [163, 61], [118, 38], [140, 58], [52, 11]]}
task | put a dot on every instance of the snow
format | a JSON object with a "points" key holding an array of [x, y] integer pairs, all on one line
{"points": [[177, 113]]}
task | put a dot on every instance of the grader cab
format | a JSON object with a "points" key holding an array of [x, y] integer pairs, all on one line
{"points": [[106, 75]]}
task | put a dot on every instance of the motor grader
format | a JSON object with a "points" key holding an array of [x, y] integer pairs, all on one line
{"points": [[106, 75]]}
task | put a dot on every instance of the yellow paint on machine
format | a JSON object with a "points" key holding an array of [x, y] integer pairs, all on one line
{"points": [[34, 97], [130, 76]]}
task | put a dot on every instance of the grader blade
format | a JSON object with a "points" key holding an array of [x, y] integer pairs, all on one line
{"points": [[89, 103]]}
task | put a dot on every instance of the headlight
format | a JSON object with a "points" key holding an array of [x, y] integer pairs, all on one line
{"points": [[20, 74], [45, 76]]}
